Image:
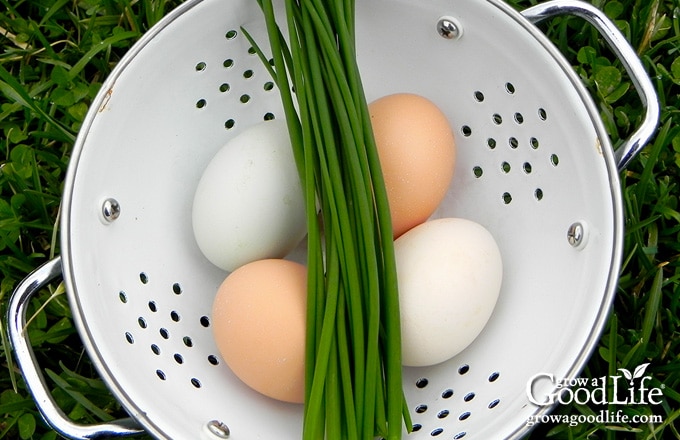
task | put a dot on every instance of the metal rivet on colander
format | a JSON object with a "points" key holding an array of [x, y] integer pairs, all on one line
{"points": [[449, 28], [577, 235], [110, 209], [218, 429]]}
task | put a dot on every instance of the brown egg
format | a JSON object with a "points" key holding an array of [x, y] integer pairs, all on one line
{"points": [[417, 155], [258, 319]]}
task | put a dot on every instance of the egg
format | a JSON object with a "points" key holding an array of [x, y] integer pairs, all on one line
{"points": [[417, 154], [449, 274], [249, 204], [258, 323]]}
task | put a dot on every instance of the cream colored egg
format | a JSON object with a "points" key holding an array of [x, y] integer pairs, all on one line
{"points": [[249, 203], [417, 155], [258, 321], [449, 272]]}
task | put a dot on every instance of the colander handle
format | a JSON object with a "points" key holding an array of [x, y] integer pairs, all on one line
{"points": [[34, 379], [631, 62]]}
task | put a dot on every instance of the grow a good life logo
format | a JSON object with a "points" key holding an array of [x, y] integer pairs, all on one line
{"points": [[628, 388], [625, 389]]}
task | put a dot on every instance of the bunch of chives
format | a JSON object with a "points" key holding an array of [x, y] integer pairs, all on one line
{"points": [[353, 346]]}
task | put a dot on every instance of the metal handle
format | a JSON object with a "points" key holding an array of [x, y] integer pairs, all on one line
{"points": [[631, 62], [34, 379]]}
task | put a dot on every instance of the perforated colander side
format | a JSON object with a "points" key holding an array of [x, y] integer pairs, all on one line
{"points": [[532, 162]]}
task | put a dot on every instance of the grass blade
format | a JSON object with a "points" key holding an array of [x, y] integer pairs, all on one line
{"points": [[16, 92]]}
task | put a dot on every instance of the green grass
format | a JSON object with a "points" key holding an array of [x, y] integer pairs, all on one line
{"points": [[54, 57]]}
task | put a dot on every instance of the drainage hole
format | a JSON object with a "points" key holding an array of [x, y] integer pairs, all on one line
{"points": [[142, 322], [477, 171], [195, 382], [443, 414], [178, 358], [224, 87], [152, 306], [538, 194], [205, 321], [421, 408], [491, 142], [479, 96], [174, 316], [188, 341], [229, 124], [466, 130], [464, 416], [422, 382], [436, 432], [494, 403], [165, 334], [228, 63], [129, 337], [494, 376], [510, 88], [212, 359], [155, 349], [230, 35], [417, 427], [143, 277], [463, 369], [248, 74], [542, 114], [446, 394], [497, 119], [469, 396], [459, 435], [507, 198], [200, 66], [177, 288], [268, 116], [122, 296], [160, 374]]}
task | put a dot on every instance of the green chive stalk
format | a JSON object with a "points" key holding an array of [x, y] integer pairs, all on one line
{"points": [[353, 370]]}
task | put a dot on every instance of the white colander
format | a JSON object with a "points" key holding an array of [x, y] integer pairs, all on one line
{"points": [[535, 167]]}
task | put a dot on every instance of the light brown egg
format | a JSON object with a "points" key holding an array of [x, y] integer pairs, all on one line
{"points": [[258, 319], [417, 154]]}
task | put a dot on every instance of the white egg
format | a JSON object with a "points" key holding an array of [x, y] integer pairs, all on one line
{"points": [[249, 203], [449, 272]]}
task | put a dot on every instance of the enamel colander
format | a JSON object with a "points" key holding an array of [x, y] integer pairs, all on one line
{"points": [[535, 167]]}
